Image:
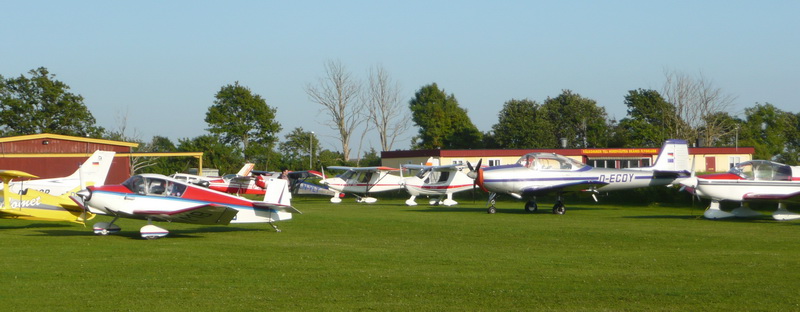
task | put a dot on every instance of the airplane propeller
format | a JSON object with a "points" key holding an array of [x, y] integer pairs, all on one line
{"points": [[473, 174]]}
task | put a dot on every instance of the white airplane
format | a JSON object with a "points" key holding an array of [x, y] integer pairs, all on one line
{"points": [[156, 197], [749, 181], [436, 181], [93, 172], [238, 183], [537, 174], [362, 180]]}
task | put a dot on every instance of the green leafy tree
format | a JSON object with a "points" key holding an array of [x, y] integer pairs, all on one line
{"points": [[791, 155], [764, 129], [241, 118], [577, 119], [521, 124], [166, 165], [370, 159], [216, 154], [442, 123], [650, 120], [329, 158], [296, 149], [41, 104]]}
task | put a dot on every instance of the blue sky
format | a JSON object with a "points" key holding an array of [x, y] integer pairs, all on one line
{"points": [[159, 63]]}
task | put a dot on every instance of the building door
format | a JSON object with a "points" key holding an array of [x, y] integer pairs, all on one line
{"points": [[711, 164]]}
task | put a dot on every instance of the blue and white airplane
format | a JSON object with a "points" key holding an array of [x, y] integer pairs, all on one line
{"points": [[537, 174]]}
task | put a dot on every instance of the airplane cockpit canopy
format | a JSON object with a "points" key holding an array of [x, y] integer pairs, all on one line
{"points": [[154, 186], [548, 161], [762, 170]]}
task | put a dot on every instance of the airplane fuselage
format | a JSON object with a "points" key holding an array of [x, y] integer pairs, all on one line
{"points": [[118, 200], [516, 178], [736, 189], [387, 183], [416, 186]]}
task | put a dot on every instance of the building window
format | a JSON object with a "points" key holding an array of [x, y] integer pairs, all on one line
{"points": [[733, 160], [494, 162], [458, 162]]}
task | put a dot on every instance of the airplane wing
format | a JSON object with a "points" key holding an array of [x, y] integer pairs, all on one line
{"points": [[206, 214], [576, 186], [241, 180], [305, 174], [369, 169], [786, 198], [12, 174], [451, 167], [278, 207]]}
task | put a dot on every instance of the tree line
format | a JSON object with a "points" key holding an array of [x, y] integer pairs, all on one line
{"points": [[242, 126]]}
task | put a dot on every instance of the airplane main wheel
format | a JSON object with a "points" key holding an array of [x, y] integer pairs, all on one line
{"points": [[559, 208], [491, 210], [531, 206]]}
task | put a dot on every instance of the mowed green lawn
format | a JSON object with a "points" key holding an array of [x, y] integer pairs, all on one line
{"points": [[388, 256]]}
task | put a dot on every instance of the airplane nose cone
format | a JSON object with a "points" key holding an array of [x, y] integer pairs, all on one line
{"points": [[84, 193], [689, 182]]}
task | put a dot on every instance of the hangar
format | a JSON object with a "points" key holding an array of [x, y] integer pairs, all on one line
{"points": [[53, 155], [705, 159]]}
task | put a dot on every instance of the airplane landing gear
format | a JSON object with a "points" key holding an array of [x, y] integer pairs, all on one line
{"points": [[492, 209], [105, 228], [153, 232], [559, 208], [531, 206]]}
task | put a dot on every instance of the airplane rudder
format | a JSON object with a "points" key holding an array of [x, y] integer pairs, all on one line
{"points": [[278, 192]]}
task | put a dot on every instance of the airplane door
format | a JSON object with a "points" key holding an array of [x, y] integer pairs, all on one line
{"points": [[711, 164]]}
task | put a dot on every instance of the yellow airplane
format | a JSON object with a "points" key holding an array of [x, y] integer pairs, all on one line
{"points": [[35, 205]]}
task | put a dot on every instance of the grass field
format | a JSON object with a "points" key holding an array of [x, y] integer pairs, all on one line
{"points": [[388, 256]]}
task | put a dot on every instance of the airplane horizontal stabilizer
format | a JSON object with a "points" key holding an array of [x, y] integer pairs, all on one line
{"points": [[277, 207]]}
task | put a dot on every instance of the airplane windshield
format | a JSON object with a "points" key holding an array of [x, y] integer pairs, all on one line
{"points": [[548, 161], [154, 186], [762, 170]]}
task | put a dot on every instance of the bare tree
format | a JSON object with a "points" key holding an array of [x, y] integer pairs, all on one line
{"points": [[386, 112], [139, 162], [698, 104], [338, 93]]}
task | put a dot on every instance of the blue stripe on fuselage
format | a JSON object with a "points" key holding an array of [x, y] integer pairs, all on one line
{"points": [[178, 199]]}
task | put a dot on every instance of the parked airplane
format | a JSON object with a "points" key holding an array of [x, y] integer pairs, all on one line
{"points": [[155, 197], [299, 185], [537, 174], [749, 181], [93, 172], [31, 204], [436, 181], [362, 180], [206, 181]]}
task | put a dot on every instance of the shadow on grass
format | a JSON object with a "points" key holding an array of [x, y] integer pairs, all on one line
{"points": [[483, 210], [35, 225], [173, 234]]}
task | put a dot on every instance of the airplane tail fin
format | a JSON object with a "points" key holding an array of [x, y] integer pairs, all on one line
{"points": [[674, 156], [95, 169], [278, 192], [245, 171]]}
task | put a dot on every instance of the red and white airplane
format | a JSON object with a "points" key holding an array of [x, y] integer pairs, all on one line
{"points": [[241, 182], [749, 181], [93, 172], [362, 180], [155, 197], [436, 181]]}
